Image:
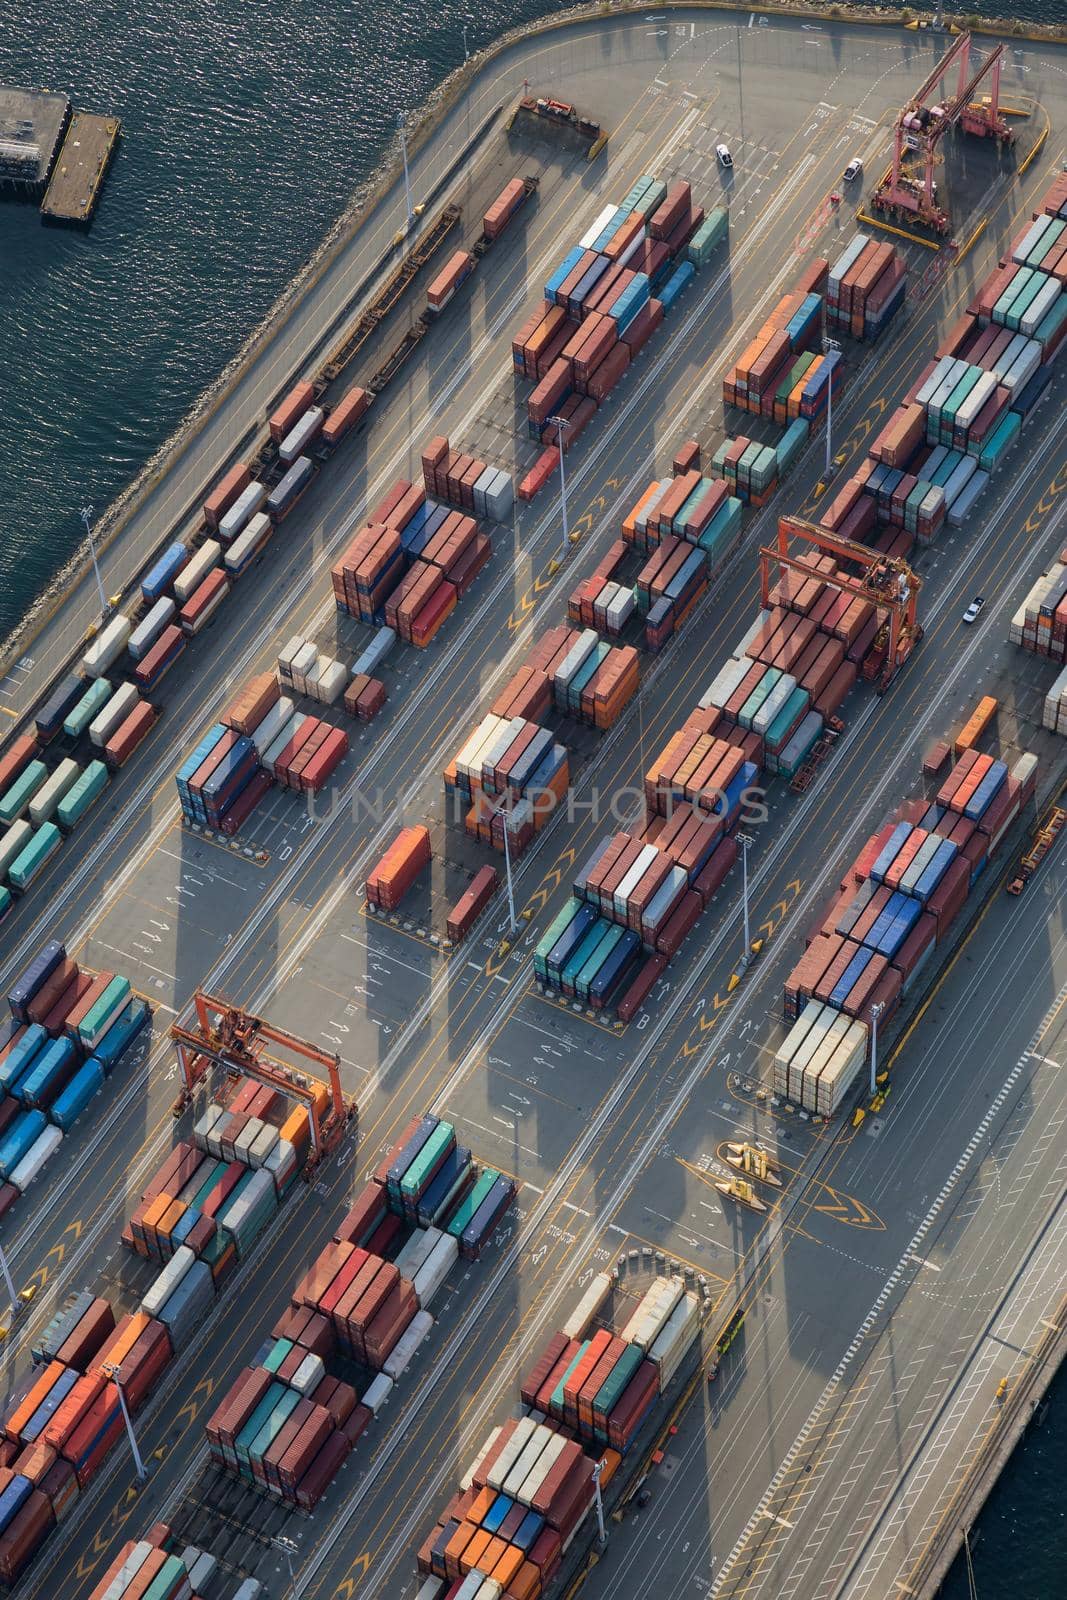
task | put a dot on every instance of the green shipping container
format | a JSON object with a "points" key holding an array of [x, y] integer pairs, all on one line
{"points": [[794, 707], [106, 1008], [44, 844], [709, 236], [81, 796], [651, 199], [584, 676], [278, 1352], [597, 960], [556, 931], [1011, 294], [168, 1580], [466, 1208], [272, 1427], [1024, 300], [93, 700], [556, 1401], [437, 1146], [259, 1416], [1000, 441], [17, 798], [13, 843], [206, 1187], [758, 695], [577, 960], [721, 531], [607, 1396]]}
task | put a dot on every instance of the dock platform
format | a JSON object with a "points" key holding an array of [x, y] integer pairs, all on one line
{"points": [[32, 124], [80, 168]]}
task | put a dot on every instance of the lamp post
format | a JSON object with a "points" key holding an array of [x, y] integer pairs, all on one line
{"points": [[289, 1548], [830, 347], [876, 1012], [507, 867], [110, 1370], [407, 178], [466, 52], [601, 1533], [87, 517], [745, 840], [9, 1284], [559, 423]]}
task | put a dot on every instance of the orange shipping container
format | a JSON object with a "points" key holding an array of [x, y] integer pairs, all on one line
{"points": [[291, 409]]}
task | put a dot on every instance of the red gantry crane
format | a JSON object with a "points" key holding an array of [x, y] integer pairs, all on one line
{"points": [[227, 1037], [922, 125], [889, 582]]}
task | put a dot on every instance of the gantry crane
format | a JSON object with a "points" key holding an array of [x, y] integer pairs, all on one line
{"points": [[235, 1040], [887, 581], [923, 123]]}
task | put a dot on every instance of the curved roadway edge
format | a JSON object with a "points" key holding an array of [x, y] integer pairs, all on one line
{"points": [[356, 248]]}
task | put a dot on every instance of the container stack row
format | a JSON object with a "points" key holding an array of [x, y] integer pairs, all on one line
{"points": [[526, 1496], [361, 1309], [410, 564], [510, 773], [896, 904], [150, 1566], [406, 857], [462, 480], [954, 429], [866, 288], [1040, 624], [601, 306], [66, 1031], [783, 356], [215, 1194]]}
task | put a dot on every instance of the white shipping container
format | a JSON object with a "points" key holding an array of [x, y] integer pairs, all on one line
{"points": [[435, 1269], [298, 438], [849, 256], [525, 1461], [1039, 308], [203, 1126], [333, 675], [132, 1565], [510, 1453], [52, 790], [774, 703], [376, 652], [249, 500], [554, 1447], [1030, 238], [468, 1589], [806, 1067], [727, 680], [576, 656], [377, 1393], [633, 877], [588, 1307], [262, 1145], [160, 1291], [468, 1477], [41, 1150], [150, 627], [14, 842], [243, 1142], [678, 1331], [418, 1248], [268, 730], [309, 1374], [961, 506], [840, 1073], [656, 1306], [430, 1589], [943, 367], [620, 610], [116, 711], [642, 518], [1023, 367], [288, 733], [196, 569], [246, 546], [500, 497], [106, 648], [592, 234], [203, 1570], [497, 747], [280, 1163]]}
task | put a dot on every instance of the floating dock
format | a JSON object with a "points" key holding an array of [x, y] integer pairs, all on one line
{"points": [[80, 168], [32, 125]]}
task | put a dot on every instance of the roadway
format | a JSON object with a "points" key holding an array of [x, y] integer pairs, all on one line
{"points": [[840, 1431], [416, 1027]]}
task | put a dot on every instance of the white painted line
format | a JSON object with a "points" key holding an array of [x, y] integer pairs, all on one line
{"points": [[782, 1523]]}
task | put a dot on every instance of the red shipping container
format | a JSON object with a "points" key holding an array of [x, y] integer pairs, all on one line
{"points": [[285, 418], [17, 756], [128, 735], [345, 414], [225, 493]]}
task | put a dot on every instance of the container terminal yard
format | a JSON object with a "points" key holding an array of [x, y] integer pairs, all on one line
{"points": [[786, 1323]]}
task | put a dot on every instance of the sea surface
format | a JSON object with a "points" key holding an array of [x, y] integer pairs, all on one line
{"points": [[247, 126]]}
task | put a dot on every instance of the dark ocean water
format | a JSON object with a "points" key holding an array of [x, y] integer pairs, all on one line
{"points": [[247, 127]]}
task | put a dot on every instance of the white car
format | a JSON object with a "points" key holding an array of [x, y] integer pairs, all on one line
{"points": [[725, 158], [974, 610], [854, 170]]}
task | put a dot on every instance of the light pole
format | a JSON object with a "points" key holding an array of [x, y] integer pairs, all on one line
{"points": [[289, 1548], [407, 178], [110, 1370], [830, 347], [876, 1012], [466, 52], [507, 867], [745, 840], [740, 90], [559, 423], [9, 1284], [87, 518], [601, 1534]]}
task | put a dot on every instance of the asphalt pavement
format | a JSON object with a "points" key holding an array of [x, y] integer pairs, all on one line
{"points": [[609, 1133]]}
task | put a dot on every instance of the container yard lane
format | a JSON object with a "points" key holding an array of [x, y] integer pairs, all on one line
{"points": [[611, 1137]]}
